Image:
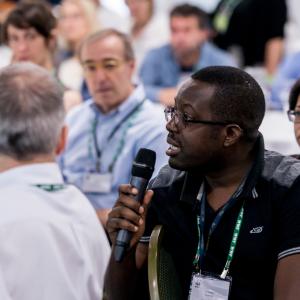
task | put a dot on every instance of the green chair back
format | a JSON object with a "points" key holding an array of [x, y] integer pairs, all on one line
{"points": [[162, 276]]}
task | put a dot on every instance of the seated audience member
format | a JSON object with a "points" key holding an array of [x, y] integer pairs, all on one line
{"points": [[5, 53], [149, 29], [29, 31], [294, 110], [106, 132], [109, 19], [230, 208], [53, 244], [76, 20], [165, 68], [288, 72], [255, 27]]}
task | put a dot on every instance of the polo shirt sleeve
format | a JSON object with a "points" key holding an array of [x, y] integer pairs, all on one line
{"points": [[288, 234], [277, 18]]}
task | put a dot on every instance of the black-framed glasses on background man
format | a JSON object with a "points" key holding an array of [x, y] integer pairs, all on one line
{"points": [[294, 116], [181, 118]]}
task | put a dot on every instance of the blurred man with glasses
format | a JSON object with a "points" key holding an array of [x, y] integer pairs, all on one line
{"points": [[229, 208], [106, 132]]}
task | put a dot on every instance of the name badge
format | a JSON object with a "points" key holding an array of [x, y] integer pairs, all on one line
{"points": [[97, 183], [204, 287]]}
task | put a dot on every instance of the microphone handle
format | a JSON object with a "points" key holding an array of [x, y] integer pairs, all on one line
{"points": [[124, 236]]}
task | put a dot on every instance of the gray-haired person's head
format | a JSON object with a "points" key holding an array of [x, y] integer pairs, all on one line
{"points": [[31, 111]]}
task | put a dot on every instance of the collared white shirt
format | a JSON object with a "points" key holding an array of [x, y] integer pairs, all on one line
{"points": [[52, 244]]}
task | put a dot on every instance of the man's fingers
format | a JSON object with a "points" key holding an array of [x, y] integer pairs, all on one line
{"points": [[147, 199], [117, 223], [126, 213], [127, 189]]}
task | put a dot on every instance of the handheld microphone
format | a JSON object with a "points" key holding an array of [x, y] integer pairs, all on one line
{"points": [[142, 170]]}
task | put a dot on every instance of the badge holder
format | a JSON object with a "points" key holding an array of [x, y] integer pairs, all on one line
{"points": [[209, 287], [97, 183]]}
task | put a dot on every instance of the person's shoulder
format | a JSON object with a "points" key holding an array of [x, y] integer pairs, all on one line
{"points": [[166, 177], [79, 112], [150, 120], [78, 207], [153, 110], [219, 56], [159, 52], [283, 170]]}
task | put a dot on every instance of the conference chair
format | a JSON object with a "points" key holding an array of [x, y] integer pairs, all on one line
{"points": [[162, 276]]}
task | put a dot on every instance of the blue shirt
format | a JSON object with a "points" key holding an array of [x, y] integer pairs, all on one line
{"points": [[287, 74], [160, 68], [145, 129]]}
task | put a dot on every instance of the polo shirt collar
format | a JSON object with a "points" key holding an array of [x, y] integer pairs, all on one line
{"points": [[32, 174], [136, 97], [192, 183]]}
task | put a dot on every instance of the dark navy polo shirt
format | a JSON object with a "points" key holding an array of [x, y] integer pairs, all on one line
{"points": [[270, 230]]}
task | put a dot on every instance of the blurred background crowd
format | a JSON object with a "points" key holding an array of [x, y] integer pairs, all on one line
{"points": [[261, 36]]}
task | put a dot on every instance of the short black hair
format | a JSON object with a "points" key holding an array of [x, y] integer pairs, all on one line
{"points": [[294, 94], [26, 15], [187, 10], [237, 98]]}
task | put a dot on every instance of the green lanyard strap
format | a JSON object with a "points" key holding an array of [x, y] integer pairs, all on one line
{"points": [[200, 248], [233, 243], [50, 187], [128, 121], [222, 17]]}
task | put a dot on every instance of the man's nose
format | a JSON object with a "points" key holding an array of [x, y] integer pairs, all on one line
{"points": [[171, 126], [100, 75]]}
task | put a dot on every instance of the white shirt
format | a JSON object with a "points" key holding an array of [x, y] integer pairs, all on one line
{"points": [[5, 56], [52, 244], [109, 19], [70, 74]]}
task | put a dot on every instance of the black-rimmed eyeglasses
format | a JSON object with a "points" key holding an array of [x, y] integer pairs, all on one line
{"points": [[182, 118], [294, 116]]}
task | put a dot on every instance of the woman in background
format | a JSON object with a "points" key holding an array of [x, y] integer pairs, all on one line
{"points": [[76, 20], [149, 29], [29, 31]]}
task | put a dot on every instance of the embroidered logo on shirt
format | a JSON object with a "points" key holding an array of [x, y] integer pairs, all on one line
{"points": [[257, 229]]}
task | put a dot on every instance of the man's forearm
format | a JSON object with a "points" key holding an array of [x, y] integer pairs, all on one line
{"points": [[273, 54], [121, 278]]}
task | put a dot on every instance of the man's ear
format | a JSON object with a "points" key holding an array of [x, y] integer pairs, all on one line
{"points": [[132, 66], [233, 133], [62, 140]]}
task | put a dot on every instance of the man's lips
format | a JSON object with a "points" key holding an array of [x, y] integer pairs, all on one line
{"points": [[174, 148], [104, 90]]}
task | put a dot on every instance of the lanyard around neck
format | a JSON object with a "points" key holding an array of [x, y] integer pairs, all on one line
{"points": [[223, 15], [201, 248], [127, 120], [51, 187]]}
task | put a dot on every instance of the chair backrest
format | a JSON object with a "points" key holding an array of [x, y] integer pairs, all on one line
{"points": [[162, 276]]}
